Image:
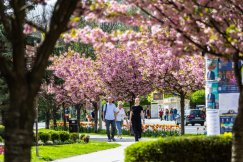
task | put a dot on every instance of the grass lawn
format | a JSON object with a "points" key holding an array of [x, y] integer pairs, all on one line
{"points": [[48, 153]]}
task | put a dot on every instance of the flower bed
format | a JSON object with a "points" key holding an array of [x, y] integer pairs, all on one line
{"points": [[82, 124], [149, 130]]}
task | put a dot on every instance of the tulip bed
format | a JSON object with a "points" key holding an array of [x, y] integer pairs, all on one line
{"points": [[149, 130]]}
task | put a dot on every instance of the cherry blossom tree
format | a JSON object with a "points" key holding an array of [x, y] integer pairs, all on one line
{"points": [[209, 27], [175, 74], [195, 27], [119, 70], [81, 81], [23, 84]]}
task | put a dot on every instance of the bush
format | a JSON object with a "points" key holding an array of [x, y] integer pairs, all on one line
{"points": [[181, 149], [68, 142], [55, 136], [44, 136], [40, 142], [82, 136], [1, 139], [64, 136], [74, 136], [86, 139], [2, 131], [49, 143]]}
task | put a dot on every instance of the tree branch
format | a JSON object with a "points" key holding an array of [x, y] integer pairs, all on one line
{"points": [[4, 19], [17, 37], [62, 12], [175, 26]]}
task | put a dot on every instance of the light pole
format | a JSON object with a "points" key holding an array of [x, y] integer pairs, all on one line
{"points": [[30, 56]]}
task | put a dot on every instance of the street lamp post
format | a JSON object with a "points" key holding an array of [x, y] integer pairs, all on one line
{"points": [[30, 56]]}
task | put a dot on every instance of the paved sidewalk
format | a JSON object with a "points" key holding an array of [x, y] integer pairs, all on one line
{"points": [[110, 155]]}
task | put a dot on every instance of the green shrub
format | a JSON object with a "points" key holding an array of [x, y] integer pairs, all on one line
{"points": [[64, 136], [34, 138], [1, 139], [49, 143], [86, 138], [69, 141], [44, 136], [74, 137], [2, 131], [40, 143], [82, 136], [55, 136], [181, 149]]}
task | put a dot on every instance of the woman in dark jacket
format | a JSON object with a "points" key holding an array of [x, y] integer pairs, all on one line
{"points": [[135, 119]]}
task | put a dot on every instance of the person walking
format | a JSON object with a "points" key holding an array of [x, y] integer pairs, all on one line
{"points": [[148, 113], [145, 114], [161, 112], [120, 117], [175, 113], [166, 114], [109, 114], [135, 119], [171, 114]]}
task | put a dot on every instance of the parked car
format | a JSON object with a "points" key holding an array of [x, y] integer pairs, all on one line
{"points": [[192, 117]]}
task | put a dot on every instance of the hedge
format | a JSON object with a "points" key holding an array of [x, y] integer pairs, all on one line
{"points": [[181, 149], [55, 136], [64, 136], [74, 136], [2, 128], [44, 136]]}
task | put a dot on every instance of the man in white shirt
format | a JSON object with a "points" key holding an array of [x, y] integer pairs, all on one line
{"points": [[109, 114]]}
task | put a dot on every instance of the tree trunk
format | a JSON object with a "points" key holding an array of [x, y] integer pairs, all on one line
{"points": [[96, 117], [237, 147], [182, 103], [54, 116], [100, 112], [47, 120], [64, 118], [4, 109], [19, 124], [78, 108]]}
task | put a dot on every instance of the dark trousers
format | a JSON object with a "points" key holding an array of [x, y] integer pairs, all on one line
{"points": [[161, 117], [113, 128], [137, 130]]}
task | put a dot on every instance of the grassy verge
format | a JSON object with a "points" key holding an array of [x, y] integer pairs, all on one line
{"points": [[49, 153]]}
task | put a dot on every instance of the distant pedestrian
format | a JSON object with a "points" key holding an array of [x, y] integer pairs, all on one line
{"points": [[161, 112], [93, 115], [166, 114], [135, 119], [120, 117], [148, 113], [145, 114], [171, 114], [175, 113], [109, 114]]}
